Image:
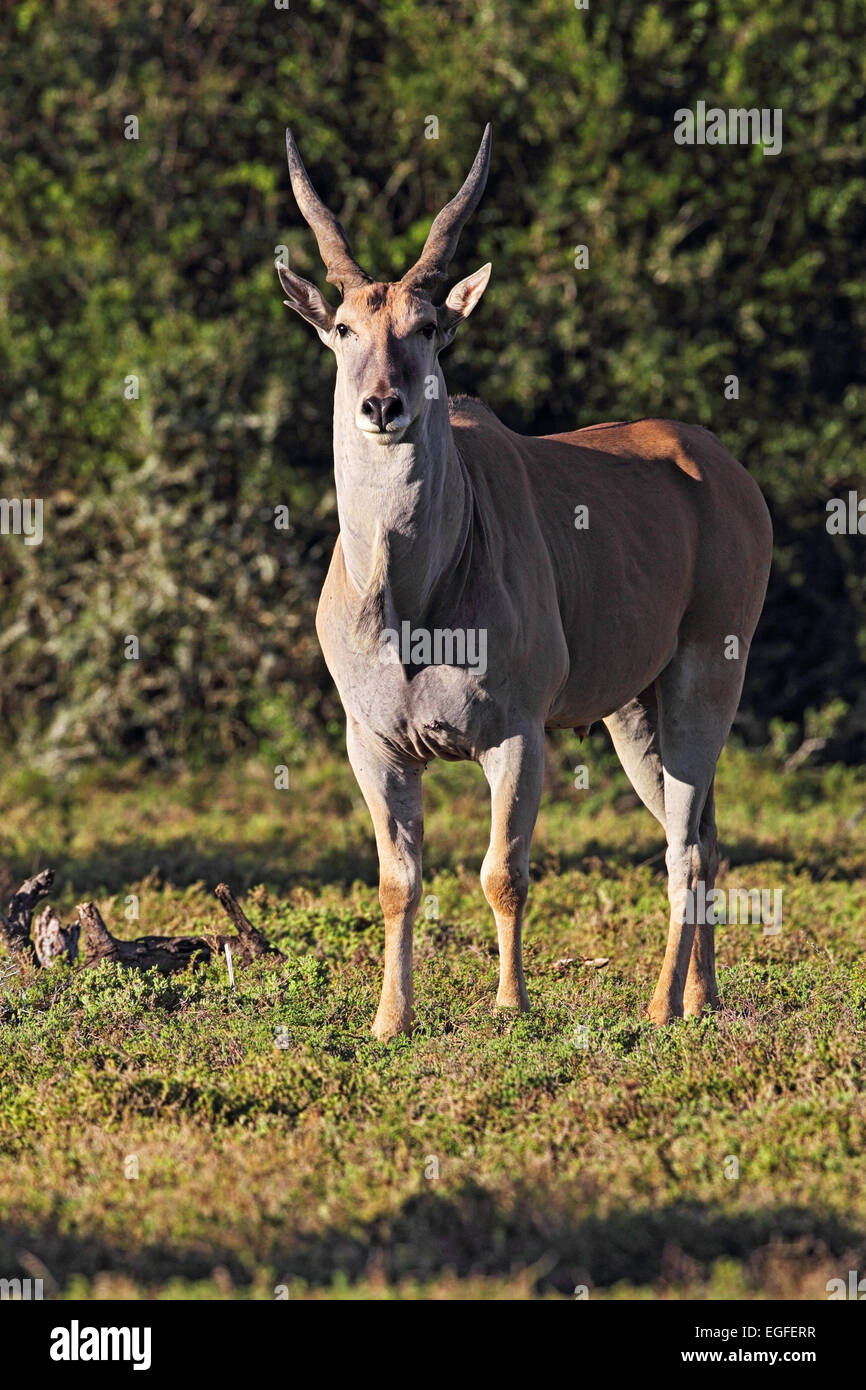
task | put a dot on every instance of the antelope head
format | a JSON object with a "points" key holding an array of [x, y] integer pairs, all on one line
{"points": [[387, 336]]}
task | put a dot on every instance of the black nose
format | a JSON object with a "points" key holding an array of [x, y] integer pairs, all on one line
{"points": [[382, 409]]}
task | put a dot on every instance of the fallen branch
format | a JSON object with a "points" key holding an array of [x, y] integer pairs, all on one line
{"points": [[167, 953], [52, 940], [15, 926], [171, 953], [254, 943]]}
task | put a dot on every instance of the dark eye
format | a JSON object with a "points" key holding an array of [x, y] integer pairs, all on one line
{"points": [[342, 330], [428, 330]]}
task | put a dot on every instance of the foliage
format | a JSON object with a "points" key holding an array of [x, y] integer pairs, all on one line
{"points": [[154, 257]]}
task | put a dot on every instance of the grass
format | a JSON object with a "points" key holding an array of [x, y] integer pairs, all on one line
{"points": [[489, 1156]]}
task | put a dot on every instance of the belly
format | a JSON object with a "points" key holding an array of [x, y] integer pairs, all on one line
{"points": [[595, 687]]}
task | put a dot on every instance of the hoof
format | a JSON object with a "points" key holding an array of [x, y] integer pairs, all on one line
{"points": [[387, 1028], [520, 1002], [661, 1014], [696, 1004]]}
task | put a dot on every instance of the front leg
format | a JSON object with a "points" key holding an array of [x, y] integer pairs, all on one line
{"points": [[515, 771], [393, 796]]}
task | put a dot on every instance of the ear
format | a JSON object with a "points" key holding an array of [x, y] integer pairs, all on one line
{"points": [[305, 299], [461, 301]]}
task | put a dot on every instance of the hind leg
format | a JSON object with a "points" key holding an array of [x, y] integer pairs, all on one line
{"points": [[698, 696], [701, 990], [634, 732]]}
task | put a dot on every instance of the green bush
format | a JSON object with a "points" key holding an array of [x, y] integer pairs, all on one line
{"points": [[154, 258]]}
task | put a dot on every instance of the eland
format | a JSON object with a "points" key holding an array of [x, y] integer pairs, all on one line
{"points": [[640, 616]]}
